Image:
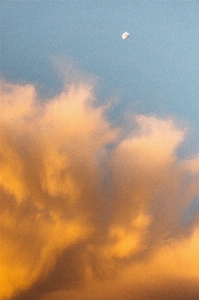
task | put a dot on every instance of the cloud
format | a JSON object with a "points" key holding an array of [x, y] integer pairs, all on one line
{"points": [[88, 211]]}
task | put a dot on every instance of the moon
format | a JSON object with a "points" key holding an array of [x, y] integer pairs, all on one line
{"points": [[125, 35]]}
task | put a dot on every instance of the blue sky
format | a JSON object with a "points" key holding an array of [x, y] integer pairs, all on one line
{"points": [[155, 71], [142, 186]]}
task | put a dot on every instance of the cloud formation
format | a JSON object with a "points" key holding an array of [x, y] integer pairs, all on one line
{"points": [[88, 212]]}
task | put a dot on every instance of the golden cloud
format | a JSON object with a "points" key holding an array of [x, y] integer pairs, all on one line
{"points": [[86, 210]]}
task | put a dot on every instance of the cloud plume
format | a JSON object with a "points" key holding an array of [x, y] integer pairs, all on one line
{"points": [[87, 211]]}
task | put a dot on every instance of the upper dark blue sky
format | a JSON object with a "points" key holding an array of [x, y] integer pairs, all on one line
{"points": [[155, 71]]}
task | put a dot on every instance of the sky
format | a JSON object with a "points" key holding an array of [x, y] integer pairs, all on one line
{"points": [[99, 150]]}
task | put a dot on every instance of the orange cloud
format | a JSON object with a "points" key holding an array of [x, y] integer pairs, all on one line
{"points": [[172, 273], [83, 220]]}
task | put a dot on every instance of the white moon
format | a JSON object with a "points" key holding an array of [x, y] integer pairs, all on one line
{"points": [[125, 35]]}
